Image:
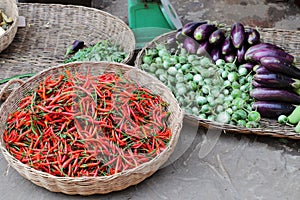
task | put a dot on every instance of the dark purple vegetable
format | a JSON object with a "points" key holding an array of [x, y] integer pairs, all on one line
{"points": [[273, 94], [259, 46], [204, 48], [258, 85], [273, 109], [189, 28], [240, 54], [217, 37], [76, 45], [280, 66], [252, 36], [237, 34], [190, 45], [267, 52], [227, 46], [203, 32], [248, 66], [215, 54], [277, 80], [230, 58], [260, 69]]}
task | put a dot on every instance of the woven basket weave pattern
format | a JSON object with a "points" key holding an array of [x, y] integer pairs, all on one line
{"points": [[105, 184], [51, 28], [11, 10], [290, 41]]}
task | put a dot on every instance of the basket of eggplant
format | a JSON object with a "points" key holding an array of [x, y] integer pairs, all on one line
{"points": [[233, 77]]}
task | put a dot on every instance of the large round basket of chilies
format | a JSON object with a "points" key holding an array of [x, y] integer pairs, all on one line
{"points": [[89, 127]]}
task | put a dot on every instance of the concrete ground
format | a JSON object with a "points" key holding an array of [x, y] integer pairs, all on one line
{"points": [[205, 165]]}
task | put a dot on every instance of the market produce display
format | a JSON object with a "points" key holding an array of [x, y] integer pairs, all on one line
{"points": [[79, 124], [104, 50], [217, 41], [227, 75], [218, 92], [5, 22]]}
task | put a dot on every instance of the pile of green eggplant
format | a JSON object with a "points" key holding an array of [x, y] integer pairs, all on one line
{"points": [[216, 91]]}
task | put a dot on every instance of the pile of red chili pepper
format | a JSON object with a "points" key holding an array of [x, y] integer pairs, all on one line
{"points": [[85, 125]]}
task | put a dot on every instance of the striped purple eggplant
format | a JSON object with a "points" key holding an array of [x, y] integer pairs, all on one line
{"points": [[204, 48], [189, 28], [190, 45], [252, 36], [203, 31], [273, 94], [278, 65], [215, 53], [260, 69], [268, 52], [217, 37], [258, 85], [273, 109], [248, 66], [261, 46], [227, 46], [277, 80], [237, 34], [230, 58], [240, 54]]}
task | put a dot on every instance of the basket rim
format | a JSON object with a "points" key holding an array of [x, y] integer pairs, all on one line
{"points": [[127, 172], [213, 124]]}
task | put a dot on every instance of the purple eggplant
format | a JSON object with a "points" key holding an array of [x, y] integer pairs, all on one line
{"points": [[273, 94], [237, 34], [259, 46], [215, 54], [203, 31], [204, 48], [273, 109], [277, 80], [227, 46], [76, 45], [217, 37], [190, 45], [258, 85], [267, 52], [189, 28], [230, 58], [260, 69], [240, 54], [248, 66], [278, 65], [252, 36]]}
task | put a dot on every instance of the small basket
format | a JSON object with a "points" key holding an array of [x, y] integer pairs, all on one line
{"points": [[105, 184], [11, 10], [287, 39]]}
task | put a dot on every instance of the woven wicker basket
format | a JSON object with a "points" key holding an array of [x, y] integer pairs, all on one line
{"points": [[10, 8], [289, 40], [105, 184], [51, 28]]}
